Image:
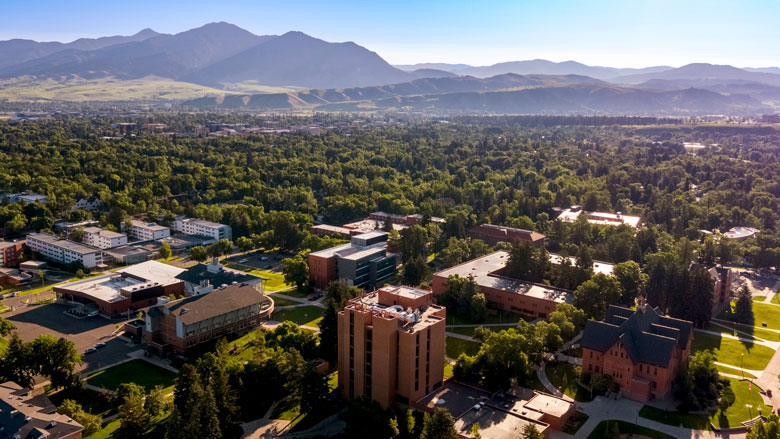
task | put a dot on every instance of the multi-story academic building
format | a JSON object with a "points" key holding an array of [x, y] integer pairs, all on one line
{"points": [[102, 238], [391, 345], [199, 227], [492, 235], [144, 231], [64, 251], [10, 253], [364, 262], [641, 350]]}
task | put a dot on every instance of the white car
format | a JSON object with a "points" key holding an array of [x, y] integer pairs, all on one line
{"points": [[243, 261]]}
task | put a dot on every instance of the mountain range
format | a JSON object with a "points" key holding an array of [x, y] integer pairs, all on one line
{"points": [[249, 70]]}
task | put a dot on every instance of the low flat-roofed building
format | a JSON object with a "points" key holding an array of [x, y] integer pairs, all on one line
{"points": [[64, 251], [67, 227], [333, 231], [13, 276], [504, 292], [102, 238], [26, 416], [741, 233], [501, 414], [31, 266], [605, 268], [146, 231], [132, 288], [571, 214], [199, 227], [368, 225], [27, 197], [203, 278], [492, 235], [182, 324], [133, 253], [181, 243]]}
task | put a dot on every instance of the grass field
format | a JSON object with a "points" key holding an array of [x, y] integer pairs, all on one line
{"points": [[625, 428], [733, 371], [108, 431], [303, 315], [728, 328], [275, 280], [90, 400], [281, 301], [140, 372], [760, 298], [456, 346], [763, 313], [564, 378], [739, 411], [687, 420], [734, 352]]}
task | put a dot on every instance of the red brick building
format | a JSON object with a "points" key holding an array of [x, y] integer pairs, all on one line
{"points": [[10, 254], [502, 292], [391, 345], [492, 235], [641, 350]]}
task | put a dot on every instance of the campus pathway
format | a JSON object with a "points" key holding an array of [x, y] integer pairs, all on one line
{"points": [[774, 345]]}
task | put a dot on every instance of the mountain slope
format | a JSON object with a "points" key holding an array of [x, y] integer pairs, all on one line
{"points": [[298, 59], [702, 73], [17, 51], [167, 56], [544, 67]]}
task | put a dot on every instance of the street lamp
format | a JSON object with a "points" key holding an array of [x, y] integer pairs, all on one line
{"points": [[741, 362]]}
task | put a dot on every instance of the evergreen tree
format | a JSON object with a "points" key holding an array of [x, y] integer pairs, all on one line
{"points": [[208, 413], [743, 310]]}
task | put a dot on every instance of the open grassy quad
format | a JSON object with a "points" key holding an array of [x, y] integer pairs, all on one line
{"points": [[730, 328], [747, 402], [91, 401], [767, 313], [734, 371], [678, 419], [111, 430], [281, 301], [275, 280], [457, 346], [306, 315], [734, 352], [140, 372], [564, 377], [606, 428]]}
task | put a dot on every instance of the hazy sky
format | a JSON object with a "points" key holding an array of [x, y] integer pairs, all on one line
{"points": [[620, 33]]}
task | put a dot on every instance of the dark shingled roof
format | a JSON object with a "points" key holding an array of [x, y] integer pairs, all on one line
{"points": [[647, 336], [220, 301], [198, 273]]}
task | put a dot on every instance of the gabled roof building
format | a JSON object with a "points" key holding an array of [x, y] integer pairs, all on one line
{"points": [[641, 350]]}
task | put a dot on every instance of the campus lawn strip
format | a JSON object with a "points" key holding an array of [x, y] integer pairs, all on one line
{"points": [[606, 428], [457, 346], [281, 301], [744, 354], [137, 371], [735, 371], [564, 377], [677, 419], [731, 329], [306, 315], [275, 280]]}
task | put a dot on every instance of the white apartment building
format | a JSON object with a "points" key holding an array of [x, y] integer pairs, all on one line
{"points": [[199, 227], [144, 231], [102, 238], [64, 251]]}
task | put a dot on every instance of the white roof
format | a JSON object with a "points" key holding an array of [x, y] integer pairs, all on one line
{"points": [[604, 218], [154, 271]]}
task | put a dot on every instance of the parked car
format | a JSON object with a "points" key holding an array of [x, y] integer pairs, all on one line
{"points": [[264, 258], [90, 350], [100, 345], [243, 261]]}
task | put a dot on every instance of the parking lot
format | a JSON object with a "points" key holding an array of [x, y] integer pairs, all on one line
{"points": [[764, 284], [32, 321], [260, 260]]}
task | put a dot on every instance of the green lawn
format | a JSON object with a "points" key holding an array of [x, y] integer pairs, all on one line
{"points": [[306, 315], [469, 330], [744, 329], [767, 313], [140, 372], [108, 430], [739, 411], [687, 420], [734, 352], [761, 298], [733, 371], [776, 299], [295, 293], [600, 432], [499, 317], [456, 346], [281, 301], [275, 280], [564, 378], [90, 400]]}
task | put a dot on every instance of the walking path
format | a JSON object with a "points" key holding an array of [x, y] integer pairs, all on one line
{"points": [[460, 336], [722, 322], [774, 345]]}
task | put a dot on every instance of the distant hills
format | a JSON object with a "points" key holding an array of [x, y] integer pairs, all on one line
{"points": [[238, 69]]}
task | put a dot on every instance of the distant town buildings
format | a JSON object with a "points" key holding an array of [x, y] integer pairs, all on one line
{"points": [[102, 238], [641, 350], [146, 231], [64, 251], [26, 197], [203, 278], [177, 326], [10, 253], [91, 203], [66, 227], [503, 292], [492, 235], [364, 262], [129, 289], [741, 233], [199, 227], [391, 345], [571, 214], [604, 268], [24, 415], [332, 231]]}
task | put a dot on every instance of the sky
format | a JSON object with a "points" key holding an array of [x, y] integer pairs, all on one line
{"points": [[617, 33]]}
